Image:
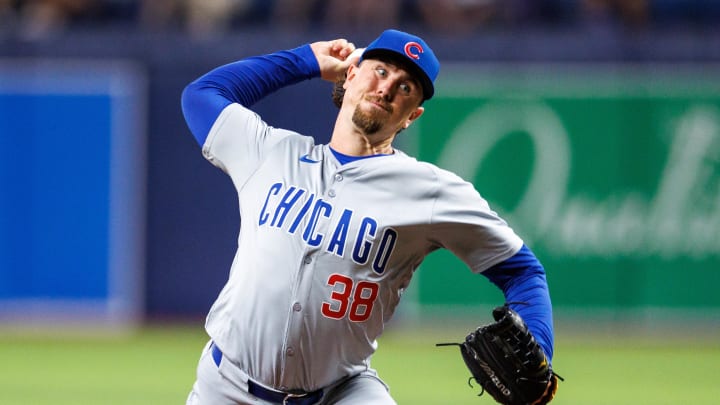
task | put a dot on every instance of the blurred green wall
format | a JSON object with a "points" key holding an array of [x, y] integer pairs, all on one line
{"points": [[610, 173]]}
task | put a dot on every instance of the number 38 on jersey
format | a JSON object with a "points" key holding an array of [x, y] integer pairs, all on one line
{"points": [[349, 298]]}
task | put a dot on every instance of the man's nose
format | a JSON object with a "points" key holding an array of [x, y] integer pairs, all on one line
{"points": [[387, 89]]}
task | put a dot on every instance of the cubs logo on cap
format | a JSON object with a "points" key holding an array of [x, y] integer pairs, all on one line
{"points": [[412, 49]]}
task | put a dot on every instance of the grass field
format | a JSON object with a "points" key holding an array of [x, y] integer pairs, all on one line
{"points": [[157, 366]]}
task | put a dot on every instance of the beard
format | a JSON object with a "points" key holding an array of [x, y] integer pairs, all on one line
{"points": [[370, 122]]}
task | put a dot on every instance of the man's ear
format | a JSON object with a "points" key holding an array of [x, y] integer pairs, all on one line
{"points": [[350, 74], [414, 115]]}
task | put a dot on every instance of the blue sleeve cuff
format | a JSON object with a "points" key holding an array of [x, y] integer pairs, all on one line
{"points": [[244, 82], [523, 282]]}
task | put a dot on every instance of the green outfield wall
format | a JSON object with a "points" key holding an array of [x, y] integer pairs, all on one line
{"points": [[611, 174]]}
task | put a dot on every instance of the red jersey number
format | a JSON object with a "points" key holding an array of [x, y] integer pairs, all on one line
{"points": [[355, 300]]}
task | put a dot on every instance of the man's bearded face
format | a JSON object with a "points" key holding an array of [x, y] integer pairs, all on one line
{"points": [[371, 120]]}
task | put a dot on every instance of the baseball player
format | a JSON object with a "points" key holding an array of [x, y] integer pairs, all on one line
{"points": [[331, 234]]}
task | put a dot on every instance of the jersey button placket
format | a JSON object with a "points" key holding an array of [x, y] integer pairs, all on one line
{"points": [[338, 177]]}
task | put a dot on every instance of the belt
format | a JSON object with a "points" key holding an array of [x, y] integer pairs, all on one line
{"points": [[277, 397]]}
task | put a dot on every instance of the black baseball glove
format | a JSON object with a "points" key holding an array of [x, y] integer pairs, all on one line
{"points": [[504, 358]]}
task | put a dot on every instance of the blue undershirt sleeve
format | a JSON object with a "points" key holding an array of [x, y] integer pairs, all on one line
{"points": [[244, 82], [523, 282]]}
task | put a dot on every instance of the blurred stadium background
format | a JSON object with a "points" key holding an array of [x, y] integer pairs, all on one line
{"points": [[593, 126]]}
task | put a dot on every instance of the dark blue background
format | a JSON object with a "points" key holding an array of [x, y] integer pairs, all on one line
{"points": [[50, 183], [191, 208]]}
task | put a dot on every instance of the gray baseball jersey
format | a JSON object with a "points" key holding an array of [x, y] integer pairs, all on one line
{"points": [[326, 250]]}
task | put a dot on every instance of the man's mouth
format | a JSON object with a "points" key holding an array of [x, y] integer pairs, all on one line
{"points": [[379, 102]]}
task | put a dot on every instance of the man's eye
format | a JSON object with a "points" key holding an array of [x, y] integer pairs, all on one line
{"points": [[405, 88], [382, 72]]}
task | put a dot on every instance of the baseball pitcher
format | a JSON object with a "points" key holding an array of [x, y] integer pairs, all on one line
{"points": [[331, 234]]}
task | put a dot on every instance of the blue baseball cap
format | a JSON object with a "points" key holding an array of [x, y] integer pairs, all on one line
{"points": [[411, 49]]}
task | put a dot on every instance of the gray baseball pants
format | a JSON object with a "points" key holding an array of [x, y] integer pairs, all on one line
{"points": [[223, 385]]}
